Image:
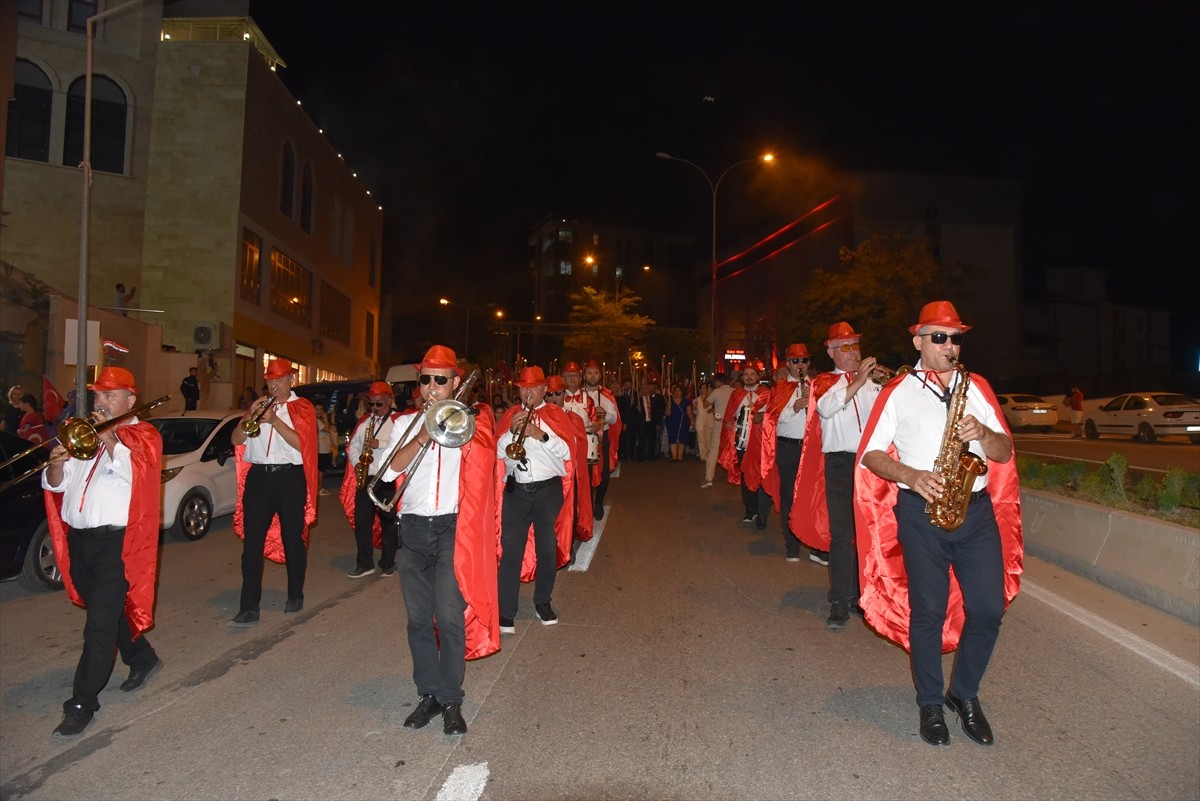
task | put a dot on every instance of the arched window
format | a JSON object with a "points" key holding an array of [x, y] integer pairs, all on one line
{"points": [[287, 179], [108, 125], [29, 114], [306, 198]]}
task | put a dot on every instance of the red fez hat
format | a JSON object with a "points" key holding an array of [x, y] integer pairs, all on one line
{"points": [[380, 388], [593, 363], [114, 378], [839, 331], [796, 350], [571, 367], [753, 364], [531, 377], [439, 357], [278, 368], [555, 383], [939, 312]]}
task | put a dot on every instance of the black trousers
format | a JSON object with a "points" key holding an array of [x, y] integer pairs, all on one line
{"points": [[537, 505], [98, 572], [757, 502], [839, 498], [647, 441], [787, 460], [435, 606], [365, 513], [929, 552], [601, 489], [268, 493]]}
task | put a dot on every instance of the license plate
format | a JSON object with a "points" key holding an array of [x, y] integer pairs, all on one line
{"points": [[1193, 428], [1038, 411]]}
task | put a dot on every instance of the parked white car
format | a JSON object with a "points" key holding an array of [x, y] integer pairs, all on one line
{"points": [[198, 477], [1146, 416], [1028, 411]]}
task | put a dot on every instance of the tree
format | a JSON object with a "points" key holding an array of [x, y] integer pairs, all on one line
{"points": [[879, 289], [605, 325]]}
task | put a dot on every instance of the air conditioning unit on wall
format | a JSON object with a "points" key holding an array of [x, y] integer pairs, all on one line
{"points": [[206, 336]]}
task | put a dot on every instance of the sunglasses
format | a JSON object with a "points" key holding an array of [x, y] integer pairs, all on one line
{"points": [[849, 346], [940, 337], [798, 361], [556, 393], [440, 379], [377, 404]]}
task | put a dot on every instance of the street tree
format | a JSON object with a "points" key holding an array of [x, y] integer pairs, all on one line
{"points": [[605, 326]]}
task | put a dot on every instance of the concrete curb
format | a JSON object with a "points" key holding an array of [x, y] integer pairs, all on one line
{"points": [[1149, 560]]}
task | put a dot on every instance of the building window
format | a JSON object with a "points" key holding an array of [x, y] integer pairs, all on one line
{"points": [[566, 236], [291, 289], [596, 240], [287, 179], [335, 314], [29, 114], [370, 332], [564, 267], [78, 13], [30, 9], [108, 125], [371, 264], [251, 266], [306, 198]]}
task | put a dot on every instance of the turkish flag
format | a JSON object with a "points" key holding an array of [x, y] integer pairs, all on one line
{"points": [[52, 402]]}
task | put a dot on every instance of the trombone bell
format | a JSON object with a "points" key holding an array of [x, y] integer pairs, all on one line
{"points": [[450, 423]]}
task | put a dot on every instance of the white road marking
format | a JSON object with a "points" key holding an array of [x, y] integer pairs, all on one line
{"points": [[465, 783], [586, 550], [1148, 651]]}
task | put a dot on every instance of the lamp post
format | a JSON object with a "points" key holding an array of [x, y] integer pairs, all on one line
{"points": [[467, 328], [715, 188]]}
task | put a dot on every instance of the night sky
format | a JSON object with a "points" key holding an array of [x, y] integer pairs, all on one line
{"points": [[472, 122]]}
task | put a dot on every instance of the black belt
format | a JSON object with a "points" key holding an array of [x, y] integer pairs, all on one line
{"points": [[274, 468], [974, 495], [534, 485], [98, 531], [793, 440]]}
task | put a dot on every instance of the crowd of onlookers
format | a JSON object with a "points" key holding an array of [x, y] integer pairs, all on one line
{"points": [[26, 418]]}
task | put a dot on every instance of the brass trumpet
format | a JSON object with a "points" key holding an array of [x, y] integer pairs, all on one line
{"points": [[79, 436], [881, 375], [515, 450], [251, 426]]}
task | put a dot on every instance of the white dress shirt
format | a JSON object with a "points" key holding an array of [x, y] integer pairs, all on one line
{"points": [[602, 402], [382, 428], [433, 488], [842, 421], [543, 460], [746, 415], [270, 448], [97, 490], [914, 420], [791, 423]]}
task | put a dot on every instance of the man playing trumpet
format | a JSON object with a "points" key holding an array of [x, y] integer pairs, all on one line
{"points": [[275, 449], [783, 439], [373, 528]]}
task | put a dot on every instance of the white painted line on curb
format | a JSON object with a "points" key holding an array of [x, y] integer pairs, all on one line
{"points": [[586, 550], [465, 783], [1148, 651], [1088, 461]]}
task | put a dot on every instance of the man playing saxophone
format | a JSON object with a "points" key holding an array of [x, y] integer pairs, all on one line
{"points": [[911, 597], [373, 528]]}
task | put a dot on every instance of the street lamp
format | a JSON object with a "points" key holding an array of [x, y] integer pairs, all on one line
{"points": [[715, 187], [467, 328]]}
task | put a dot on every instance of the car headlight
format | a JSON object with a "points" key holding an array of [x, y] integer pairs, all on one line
{"points": [[170, 473]]}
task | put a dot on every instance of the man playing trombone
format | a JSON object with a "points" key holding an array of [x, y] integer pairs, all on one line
{"points": [[364, 459], [103, 514], [275, 448], [448, 563]]}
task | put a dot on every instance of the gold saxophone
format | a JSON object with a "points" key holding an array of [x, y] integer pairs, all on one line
{"points": [[364, 459], [957, 466]]}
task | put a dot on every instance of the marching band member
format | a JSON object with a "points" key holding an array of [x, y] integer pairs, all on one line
{"points": [[608, 422], [741, 443], [783, 440], [373, 528]]}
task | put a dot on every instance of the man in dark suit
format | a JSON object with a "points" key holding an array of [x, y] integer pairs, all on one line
{"points": [[626, 408], [651, 408]]}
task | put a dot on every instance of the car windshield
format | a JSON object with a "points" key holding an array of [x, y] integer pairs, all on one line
{"points": [[1173, 400], [183, 434], [1026, 399]]}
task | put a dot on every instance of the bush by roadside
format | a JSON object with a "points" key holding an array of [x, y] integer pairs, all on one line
{"points": [[1175, 497]]}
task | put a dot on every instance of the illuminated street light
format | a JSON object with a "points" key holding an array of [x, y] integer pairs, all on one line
{"points": [[766, 158], [467, 327]]}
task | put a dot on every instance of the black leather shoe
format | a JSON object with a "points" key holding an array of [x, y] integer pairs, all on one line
{"points": [[452, 719], [970, 715], [427, 708], [760, 522], [839, 614], [293, 605], [933, 725], [138, 676], [244, 619], [75, 720], [598, 513]]}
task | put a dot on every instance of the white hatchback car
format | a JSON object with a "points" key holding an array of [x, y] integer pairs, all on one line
{"points": [[1146, 416], [198, 477], [1025, 411]]}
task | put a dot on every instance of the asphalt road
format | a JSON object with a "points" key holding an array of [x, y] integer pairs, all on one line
{"points": [[691, 663], [1157, 458]]}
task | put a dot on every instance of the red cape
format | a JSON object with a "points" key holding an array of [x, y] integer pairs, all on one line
{"points": [[304, 421], [557, 421], [752, 461], [614, 442], [781, 395], [809, 519], [140, 549], [884, 581], [350, 483]]}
